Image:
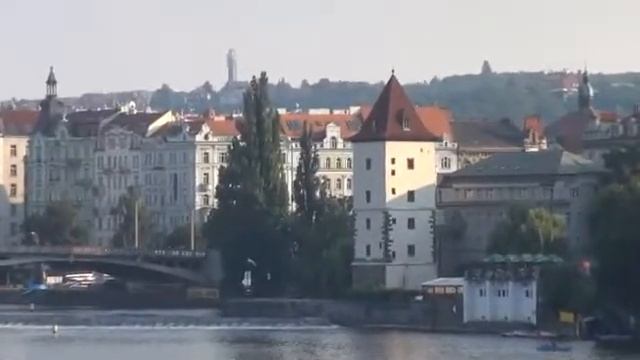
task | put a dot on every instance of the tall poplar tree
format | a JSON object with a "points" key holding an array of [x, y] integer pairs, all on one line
{"points": [[249, 223]]}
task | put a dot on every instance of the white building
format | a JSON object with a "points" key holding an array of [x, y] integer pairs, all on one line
{"points": [[394, 173], [500, 298]]}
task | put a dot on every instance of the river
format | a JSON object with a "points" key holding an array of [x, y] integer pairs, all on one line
{"points": [[260, 340]]}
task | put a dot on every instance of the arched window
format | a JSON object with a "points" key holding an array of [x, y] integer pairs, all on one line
{"points": [[339, 184], [348, 163], [339, 163], [205, 200], [445, 163], [349, 184], [327, 163], [334, 142]]}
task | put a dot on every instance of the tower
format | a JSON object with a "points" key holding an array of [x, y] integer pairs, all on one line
{"points": [[232, 67], [585, 92], [52, 84], [394, 195]]}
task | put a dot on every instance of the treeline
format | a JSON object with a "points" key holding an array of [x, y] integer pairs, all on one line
{"points": [[492, 96]]}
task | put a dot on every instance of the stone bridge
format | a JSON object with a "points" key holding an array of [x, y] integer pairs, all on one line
{"points": [[196, 267]]}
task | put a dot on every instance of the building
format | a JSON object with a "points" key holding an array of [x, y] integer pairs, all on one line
{"points": [[476, 198], [585, 125], [232, 67], [15, 127], [501, 295], [395, 179]]}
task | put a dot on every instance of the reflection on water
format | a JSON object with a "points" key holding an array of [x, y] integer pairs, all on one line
{"points": [[81, 343]]}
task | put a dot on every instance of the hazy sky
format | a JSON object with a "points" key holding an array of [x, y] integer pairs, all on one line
{"points": [[100, 45]]}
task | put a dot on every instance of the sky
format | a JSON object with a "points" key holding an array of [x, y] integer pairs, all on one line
{"points": [[100, 46]]}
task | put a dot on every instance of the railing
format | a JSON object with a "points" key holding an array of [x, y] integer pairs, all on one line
{"points": [[99, 251]]}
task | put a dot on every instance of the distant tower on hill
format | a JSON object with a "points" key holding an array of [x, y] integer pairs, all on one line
{"points": [[486, 68], [232, 67]]}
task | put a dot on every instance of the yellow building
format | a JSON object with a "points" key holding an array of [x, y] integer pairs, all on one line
{"points": [[15, 127], [394, 184]]}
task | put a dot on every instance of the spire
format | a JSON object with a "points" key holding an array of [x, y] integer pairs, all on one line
{"points": [[393, 118], [232, 67], [585, 92], [52, 84]]}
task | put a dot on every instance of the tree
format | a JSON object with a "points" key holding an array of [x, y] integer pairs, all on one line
{"points": [[125, 212], [528, 231], [306, 184], [180, 238], [250, 221], [616, 244], [387, 241], [58, 225]]}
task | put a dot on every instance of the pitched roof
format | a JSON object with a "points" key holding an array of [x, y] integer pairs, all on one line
{"points": [[86, 123], [292, 124], [568, 130], [390, 111], [548, 162], [18, 122], [436, 119], [486, 134], [224, 127], [138, 123]]}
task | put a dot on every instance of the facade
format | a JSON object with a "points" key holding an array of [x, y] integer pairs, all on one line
{"points": [[501, 296], [15, 127], [476, 198], [395, 174]]}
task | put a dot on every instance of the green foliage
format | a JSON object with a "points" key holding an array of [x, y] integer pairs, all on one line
{"points": [[250, 221], [528, 231], [565, 287], [387, 241], [616, 244], [125, 212], [306, 185], [58, 225], [180, 238]]}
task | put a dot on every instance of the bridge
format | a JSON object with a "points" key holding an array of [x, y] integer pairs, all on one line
{"points": [[195, 267]]}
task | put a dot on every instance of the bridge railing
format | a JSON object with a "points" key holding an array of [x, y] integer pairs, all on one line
{"points": [[100, 251]]}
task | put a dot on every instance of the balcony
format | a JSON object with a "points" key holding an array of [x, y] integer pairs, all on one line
{"points": [[205, 187]]}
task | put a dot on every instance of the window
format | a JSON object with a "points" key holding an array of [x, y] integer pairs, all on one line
{"points": [[393, 161], [368, 164], [338, 163], [223, 157], [411, 223], [575, 192], [527, 293], [367, 223], [160, 159], [368, 250], [482, 292], [393, 255], [327, 163], [410, 164], [348, 163], [367, 196], [205, 178], [445, 163], [393, 173], [411, 250], [100, 162], [14, 210], [14, 229], [136, 161], [13, 171], [339, 184], [405, 123], [13, 151], [411, 196], [205, 157], [349, 184], [393, 191], [205, 200], [328, 184], [334, 142], [13, 190]]}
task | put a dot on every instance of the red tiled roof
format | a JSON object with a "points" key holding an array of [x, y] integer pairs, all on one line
{"points": [[532, 123], [292, 124], [18, 122], [392, 108], [436, 119], [227, 127], [569, 129]]}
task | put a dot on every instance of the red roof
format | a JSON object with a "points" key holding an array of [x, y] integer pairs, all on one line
{"points": [[223, 127], [292, 124], [18, 122], [532, 123], [393, 118], [436, 119]]}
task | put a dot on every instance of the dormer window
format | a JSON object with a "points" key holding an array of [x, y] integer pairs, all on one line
{"points": [[404, 121]]}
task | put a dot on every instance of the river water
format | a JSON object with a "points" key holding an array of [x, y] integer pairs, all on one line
{"points": [[264, 341]]}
